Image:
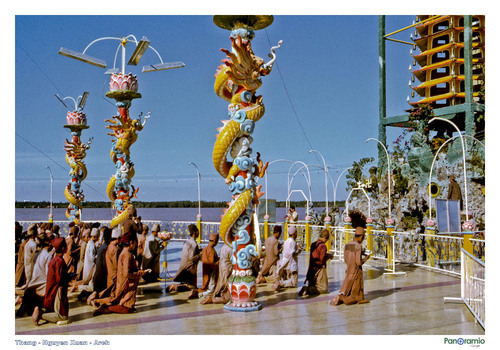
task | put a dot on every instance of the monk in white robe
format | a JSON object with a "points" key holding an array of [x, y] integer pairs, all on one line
{"points": [[287, 270]]}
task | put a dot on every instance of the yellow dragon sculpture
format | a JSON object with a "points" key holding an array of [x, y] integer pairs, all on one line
{"points": [[236, 81], [75, 153], [125, 130]]}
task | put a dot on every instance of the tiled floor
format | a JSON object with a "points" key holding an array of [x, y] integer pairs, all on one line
{"points": [[411, 305]]}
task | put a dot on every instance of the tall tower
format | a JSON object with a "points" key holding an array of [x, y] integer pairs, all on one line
{"points": [[442, 72]]}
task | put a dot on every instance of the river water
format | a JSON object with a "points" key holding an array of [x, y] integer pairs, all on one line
{"points": [[160, 214]]}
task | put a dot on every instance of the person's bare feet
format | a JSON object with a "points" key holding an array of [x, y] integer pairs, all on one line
{"points": [[91, 298], [207, 300], [335, 301], [36, 316]]}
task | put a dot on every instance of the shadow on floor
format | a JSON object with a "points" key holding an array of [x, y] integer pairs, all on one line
{"points": [[280, 297], [372, 295]]}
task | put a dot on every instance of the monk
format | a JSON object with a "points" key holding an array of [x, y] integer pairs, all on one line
{"points": [[141, 241], [221, 293], [273, 250], [29, 252], [82, 242], [287, 271], [316, 276], [133, 224], [127, 280], [100, 275], [111, 258], [210, 266], [73, 251], [86, 285], [33, 293], [20, 277], [188, 268], [151, 256], [352, 290], [55, 304]]}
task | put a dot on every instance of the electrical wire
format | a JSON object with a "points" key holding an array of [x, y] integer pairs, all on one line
{"points": [[55, 162], [291, 103]]}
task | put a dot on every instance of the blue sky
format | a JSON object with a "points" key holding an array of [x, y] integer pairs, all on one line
{"points": [[327, 66]]}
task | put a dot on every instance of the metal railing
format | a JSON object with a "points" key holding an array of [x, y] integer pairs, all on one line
{"points": [[434, 251], [473, 285]]}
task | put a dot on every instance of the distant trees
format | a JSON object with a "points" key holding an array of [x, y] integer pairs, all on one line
{"points": [[171, 204]]}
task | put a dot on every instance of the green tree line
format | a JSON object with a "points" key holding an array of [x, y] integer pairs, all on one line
{"points": [[170, 204]]}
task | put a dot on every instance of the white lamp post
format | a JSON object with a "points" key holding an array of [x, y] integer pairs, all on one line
{"points": [[463, 158], [50, 171], [308, 179], [199, 178], [326, 182], [337, 183], [265, 177], [139, 51], [388, 170]]}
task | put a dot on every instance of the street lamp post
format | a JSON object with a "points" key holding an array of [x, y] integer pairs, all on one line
{"points": [[304, 165], [327, 218], [199, 178], [388, 171], [123, 88], [50, 214], [265, 177], [463, 158], [308, 179], [337, 183]]}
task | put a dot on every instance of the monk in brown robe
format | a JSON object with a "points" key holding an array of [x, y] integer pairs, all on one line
{"points": [[72, 253], [210, 266], [141, 240], [188, 268], [316, 276], [352, 290], [454, 192], [127, 280], [55, 304], [20, 277], [133, 223], [221, 293], [273, 250]]}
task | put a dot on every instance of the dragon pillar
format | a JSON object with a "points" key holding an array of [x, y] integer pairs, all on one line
{"points": [[75, 152], [237, 81], [123, 88]]}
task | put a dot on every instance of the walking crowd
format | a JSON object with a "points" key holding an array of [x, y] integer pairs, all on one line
{"points": [[105, 266]]}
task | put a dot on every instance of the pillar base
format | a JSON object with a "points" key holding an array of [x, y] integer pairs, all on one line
{"points": [[231, 307]]}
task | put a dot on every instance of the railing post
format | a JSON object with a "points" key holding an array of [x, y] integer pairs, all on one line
{"points": [[285, 234], [308, 236], [200, 226], [369, 236], [390, 252], [467, 235], [329, 242], [430, 246], [347, 234], [266, 227]]}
